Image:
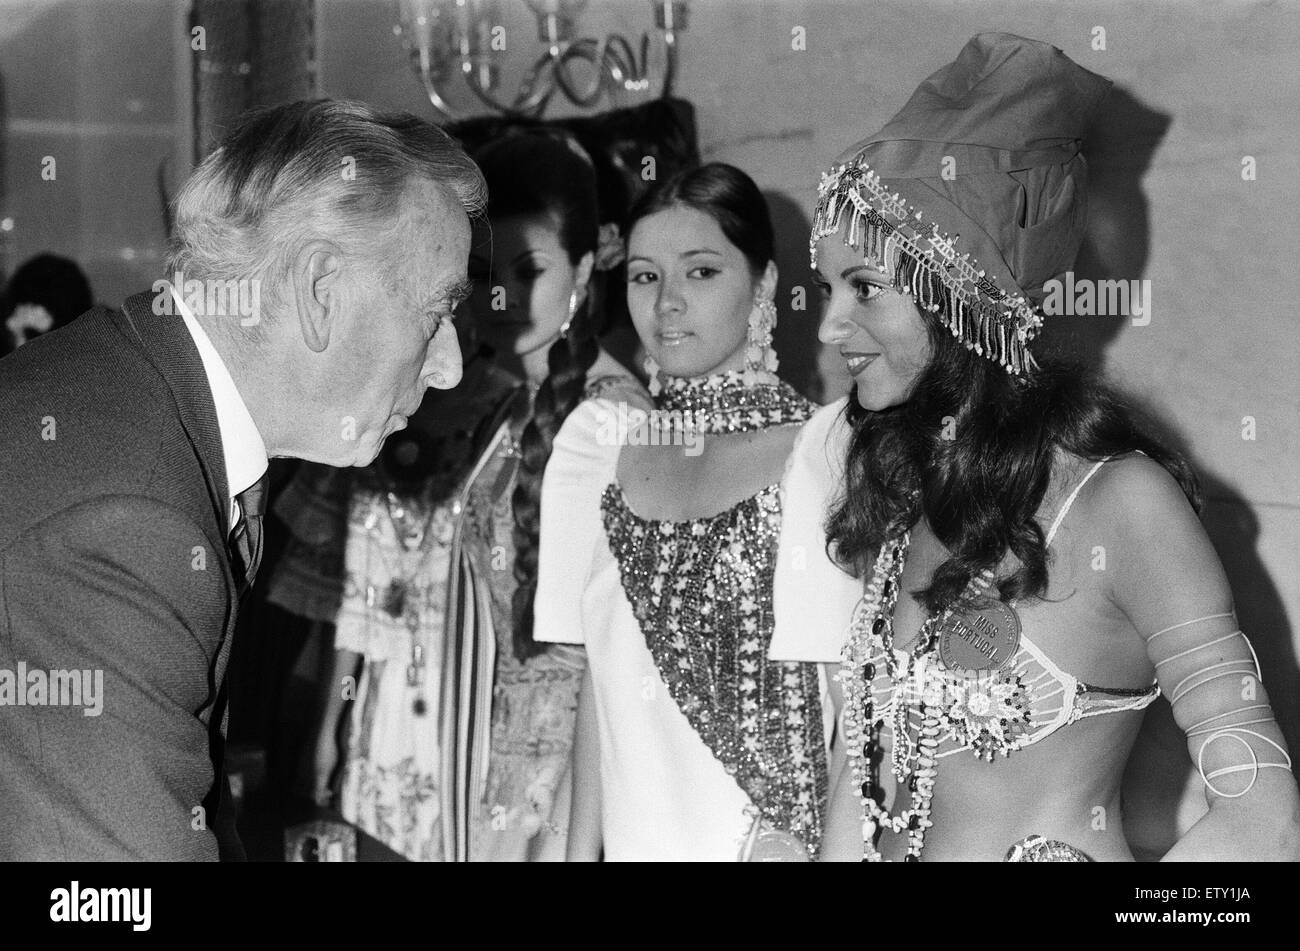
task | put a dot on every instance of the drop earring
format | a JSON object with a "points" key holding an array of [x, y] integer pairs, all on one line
{"points": [[573, 309], [760, 357], [654, 384]]}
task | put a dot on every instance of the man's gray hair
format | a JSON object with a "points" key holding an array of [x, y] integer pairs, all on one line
{"points": [[313, 168]]}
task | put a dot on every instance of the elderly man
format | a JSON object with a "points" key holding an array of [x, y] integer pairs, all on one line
{"points": [[316, 261]]}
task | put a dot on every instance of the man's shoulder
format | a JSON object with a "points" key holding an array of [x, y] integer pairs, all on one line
{"points": [[85, 413], [84, 362]]}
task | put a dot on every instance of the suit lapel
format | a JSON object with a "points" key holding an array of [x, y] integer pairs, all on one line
{"points": [[169, 347]]}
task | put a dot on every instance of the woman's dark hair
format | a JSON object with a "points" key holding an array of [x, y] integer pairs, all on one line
{"points": [[728, 196], [971, 451], [53, 282], [545, 173]]}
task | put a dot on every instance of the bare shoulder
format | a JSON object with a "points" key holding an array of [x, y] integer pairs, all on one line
{"points": [[1137, 511], [1128, 504], [1135, 493]]}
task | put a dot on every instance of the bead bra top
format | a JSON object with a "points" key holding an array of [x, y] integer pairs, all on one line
{"points": [[997, 711], [701, 592]]}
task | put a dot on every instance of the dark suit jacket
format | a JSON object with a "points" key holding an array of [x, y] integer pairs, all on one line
{"points": [[114, 517]]}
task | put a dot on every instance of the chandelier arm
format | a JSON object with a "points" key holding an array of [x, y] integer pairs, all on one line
{"points": [[533, 95], [618, 73], [538, 86], [591, 52], [670, 62], [621, 62], [445, 112]]}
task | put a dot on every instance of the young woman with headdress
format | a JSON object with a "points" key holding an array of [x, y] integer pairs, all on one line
{"points": [[661, 534], [1035, 571]]}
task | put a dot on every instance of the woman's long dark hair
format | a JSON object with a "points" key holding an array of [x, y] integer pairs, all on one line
{"points": [[972, 451], [728, 196], [545, 173]]}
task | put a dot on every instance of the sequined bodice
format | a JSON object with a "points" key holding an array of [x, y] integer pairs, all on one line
{"points": [[701, 592], [931, 706]]}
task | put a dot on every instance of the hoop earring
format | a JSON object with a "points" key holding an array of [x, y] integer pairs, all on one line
{"points": [[573, 309], [760, 357], [655, 385]]}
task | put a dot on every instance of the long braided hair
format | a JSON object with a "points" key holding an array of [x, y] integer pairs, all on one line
{"points": [[544, 172]]}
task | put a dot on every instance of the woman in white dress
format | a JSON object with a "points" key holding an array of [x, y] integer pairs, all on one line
{"points": [[661, 539]]}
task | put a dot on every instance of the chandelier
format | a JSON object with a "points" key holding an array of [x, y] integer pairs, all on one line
{"points": [[446, 37]]}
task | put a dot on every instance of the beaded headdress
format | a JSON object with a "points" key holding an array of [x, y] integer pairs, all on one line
{"points": [[974, 195]]}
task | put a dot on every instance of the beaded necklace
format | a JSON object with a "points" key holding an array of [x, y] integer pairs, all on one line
{"points": [[724, 403], [912, 757]]}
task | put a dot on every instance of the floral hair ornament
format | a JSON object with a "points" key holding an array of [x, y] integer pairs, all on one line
{"points": [[974, 195]]}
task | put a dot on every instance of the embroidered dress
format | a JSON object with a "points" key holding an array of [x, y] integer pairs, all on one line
{"points": [[524, 813], [701, 591], [698, 730], [393, 614], [525, 804]]}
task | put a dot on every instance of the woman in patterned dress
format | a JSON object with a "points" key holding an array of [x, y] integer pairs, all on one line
{"points": [[662, 539], [534, 306]]}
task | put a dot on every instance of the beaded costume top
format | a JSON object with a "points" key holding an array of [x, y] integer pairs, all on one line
{"points": [[930, 710]]}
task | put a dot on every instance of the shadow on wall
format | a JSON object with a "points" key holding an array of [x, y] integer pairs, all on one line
{"points": [[1119, 146], [1163, 795]]}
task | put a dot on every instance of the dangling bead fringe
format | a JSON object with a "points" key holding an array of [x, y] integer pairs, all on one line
{"points": [[925, 264]]}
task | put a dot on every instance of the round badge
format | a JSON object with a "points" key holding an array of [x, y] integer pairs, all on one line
{"points": [[983, 637]]}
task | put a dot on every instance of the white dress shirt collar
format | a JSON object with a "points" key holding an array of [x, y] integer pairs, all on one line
{"points": [[241, 443]]}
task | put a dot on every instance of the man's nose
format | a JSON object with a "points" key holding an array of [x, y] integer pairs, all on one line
{"points": [[443, 363]]}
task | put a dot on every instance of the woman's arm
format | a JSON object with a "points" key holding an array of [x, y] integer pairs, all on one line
{"points": [[324, 751], [1170, 583], [584, 816]]}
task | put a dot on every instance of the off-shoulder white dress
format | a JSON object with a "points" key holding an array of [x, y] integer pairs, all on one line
{"points": [[664, 794]]}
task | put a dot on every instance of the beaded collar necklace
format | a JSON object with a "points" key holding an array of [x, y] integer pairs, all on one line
{"points": [[912, 753], [725, 403]]}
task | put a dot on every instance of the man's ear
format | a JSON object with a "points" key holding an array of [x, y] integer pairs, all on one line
{"points": [[767, 283], [317, 280]]}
